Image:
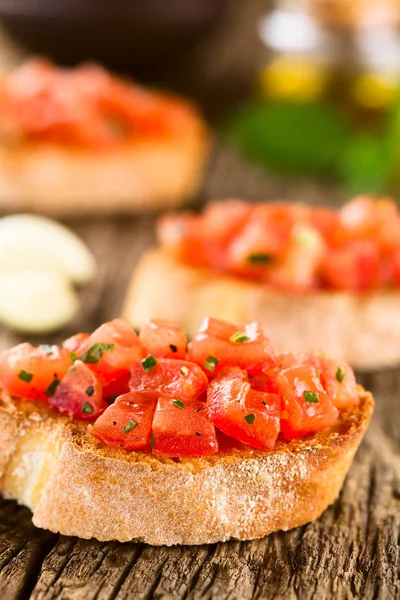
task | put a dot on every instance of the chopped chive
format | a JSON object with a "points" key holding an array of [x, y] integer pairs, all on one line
{"points": [[184, 371], [210, 363], [152, 441], [45, 348], [340, 373], [178, 403], [259, 258], [173, 348], [322, 353], [87, 408], [95, 353], [25, 375], [250, 418], [73, 357], [89, 390], [52, 387], [149, 363], [131, 424], [239, 337], [310, 397]]}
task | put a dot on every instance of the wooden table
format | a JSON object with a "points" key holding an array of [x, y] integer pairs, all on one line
{"points": [[352, 551]]}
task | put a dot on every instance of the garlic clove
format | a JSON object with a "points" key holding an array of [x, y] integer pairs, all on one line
{"points": [[37, 301], [34, 242]]}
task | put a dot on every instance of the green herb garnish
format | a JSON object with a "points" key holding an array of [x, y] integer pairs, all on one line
{"points": [[310, 397], [25, 375], [259, 258], [73, 357], [250, 418], [149, 363], [210, 363], [178, 403], [87, 408], [340, 373], [239, 337], [52, 387], [152, 441], [45, 348], [95, 353], [131, 424]]}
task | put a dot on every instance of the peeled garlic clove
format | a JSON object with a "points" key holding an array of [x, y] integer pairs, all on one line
{"points": [[37, 301], [33, 242]]}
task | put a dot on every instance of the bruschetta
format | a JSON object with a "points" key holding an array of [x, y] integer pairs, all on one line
{"points": [[83, 140], [315, 278], [123, 437]]}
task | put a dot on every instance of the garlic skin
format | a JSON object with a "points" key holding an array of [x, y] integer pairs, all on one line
{"points": [[37, 300], [35, 242]]}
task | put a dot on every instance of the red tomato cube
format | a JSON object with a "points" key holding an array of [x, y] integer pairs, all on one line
{"points": [[79, 394], [247, 415], [111, 349], [163, 339], [174, 378], [32, 372], [126, 423], [182, 428], [219, 344], [307, 408]]}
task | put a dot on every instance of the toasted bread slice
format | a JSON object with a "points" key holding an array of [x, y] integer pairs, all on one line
{"points": [[140, 175], [76, 486], [363, 329]]}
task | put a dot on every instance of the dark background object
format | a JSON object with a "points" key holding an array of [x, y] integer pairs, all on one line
{"points": [[138, 36]]}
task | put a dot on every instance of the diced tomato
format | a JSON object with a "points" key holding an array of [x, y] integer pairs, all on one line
{"points": [[265, 383], [74, 342], [307, 408], [116, 361], [246, 347], [163, 339], [30, 372], [183, 429], [117, 386], [79, 394], [339, 382], [249, 416], [355, 266], [126, 423], [174, 378]]}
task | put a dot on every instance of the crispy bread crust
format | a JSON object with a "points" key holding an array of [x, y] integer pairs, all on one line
{"points": [[363, 329], [77, 486], [140, 175]]}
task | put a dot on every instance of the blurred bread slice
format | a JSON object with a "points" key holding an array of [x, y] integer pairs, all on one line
{"points": [[363, 329], [138, 176]]}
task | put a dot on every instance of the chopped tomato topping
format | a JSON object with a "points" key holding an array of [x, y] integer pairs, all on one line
{"points": [[183, 428], [307, 408], [79, 394], [85, 106], [231, 390], [167, 377], [126, 423], [110, 350], [292, 247], [249, 416], [163, 339], [32, 372], [219, 344]]}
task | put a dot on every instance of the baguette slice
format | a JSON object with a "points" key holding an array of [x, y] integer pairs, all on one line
{"points": [[363, 329], [140, 175], [76, 486]]}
